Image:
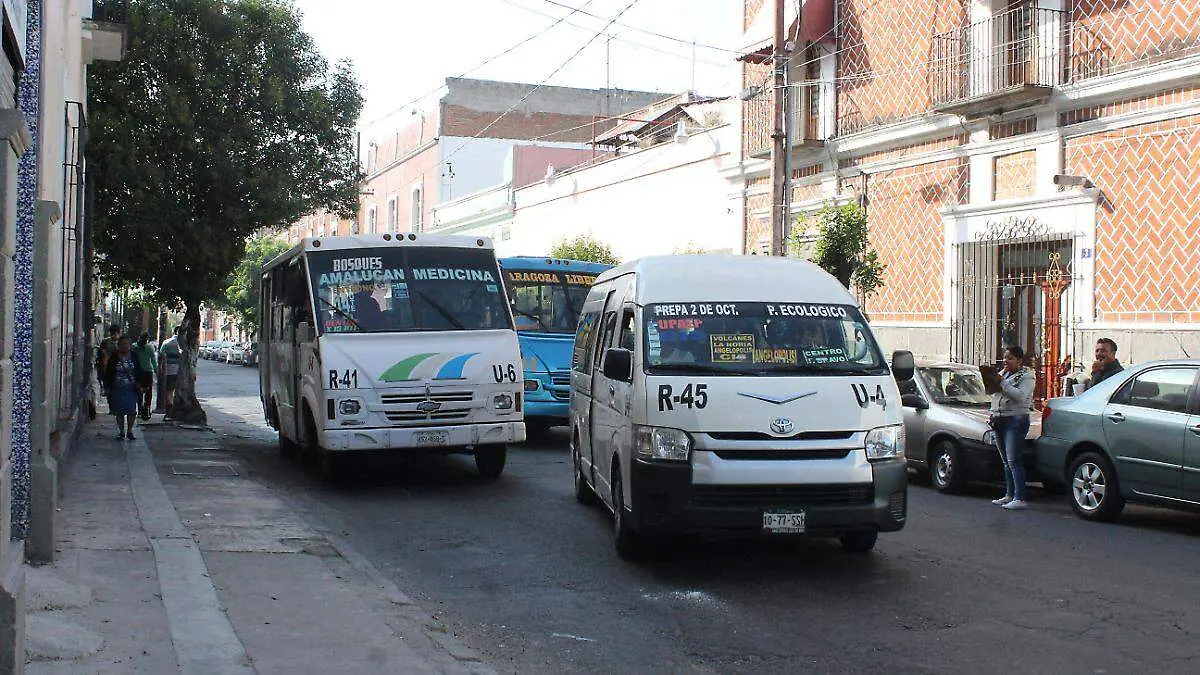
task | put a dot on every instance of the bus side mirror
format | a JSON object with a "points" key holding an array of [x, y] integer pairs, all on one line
{"points": [[903, 365], [618, 364]]}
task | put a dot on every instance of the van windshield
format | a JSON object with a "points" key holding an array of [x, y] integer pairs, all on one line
{"points": [[547, 302], [760, 338], [393, 289]]}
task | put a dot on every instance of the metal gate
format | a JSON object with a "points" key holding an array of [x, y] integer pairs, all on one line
{"points": [[1015, 285]]}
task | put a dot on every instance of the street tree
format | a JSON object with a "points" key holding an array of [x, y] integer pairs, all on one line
{"points": [[843, 248], [223, 118], [585, 248], [241, 291]]}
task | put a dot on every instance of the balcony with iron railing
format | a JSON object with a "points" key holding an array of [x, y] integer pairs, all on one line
{"points": [[1010, 60], [107, 30]]}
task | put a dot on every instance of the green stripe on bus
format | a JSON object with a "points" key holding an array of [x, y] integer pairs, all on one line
{"points": [[403, 371]]}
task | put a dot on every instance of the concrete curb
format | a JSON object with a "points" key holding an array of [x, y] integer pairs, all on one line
{"points": [[203, 637]]}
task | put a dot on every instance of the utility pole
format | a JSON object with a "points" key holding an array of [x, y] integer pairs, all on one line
{"points": [[779, 121]]}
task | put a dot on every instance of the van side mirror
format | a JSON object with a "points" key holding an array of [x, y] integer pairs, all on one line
{"points": [[618, 364], [914, 401], [903, 365]]}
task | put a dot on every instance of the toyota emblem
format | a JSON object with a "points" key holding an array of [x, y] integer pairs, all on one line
{"points": [[782, 425]]}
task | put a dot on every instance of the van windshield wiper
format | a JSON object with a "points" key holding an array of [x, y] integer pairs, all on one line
{"points": [[700, 368]]}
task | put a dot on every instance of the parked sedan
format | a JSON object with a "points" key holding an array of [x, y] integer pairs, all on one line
{"points": [[250, 357], [235, 353], [1133, 437], [206, 349], [946, 426]]}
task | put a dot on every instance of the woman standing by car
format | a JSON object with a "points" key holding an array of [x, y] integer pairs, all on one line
{"points": [[1010, 419], [123, 375]]}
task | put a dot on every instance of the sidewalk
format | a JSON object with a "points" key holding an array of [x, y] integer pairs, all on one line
{"points": [[173, 559]]}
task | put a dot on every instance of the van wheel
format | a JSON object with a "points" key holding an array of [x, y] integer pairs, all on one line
{"points": [[859, 541], [584, 493], [1095, 493], [489, 459], [946, 470], [288, 449], [627, 542]]}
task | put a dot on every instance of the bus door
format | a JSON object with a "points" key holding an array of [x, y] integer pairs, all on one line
{"points": [[286, 369]]}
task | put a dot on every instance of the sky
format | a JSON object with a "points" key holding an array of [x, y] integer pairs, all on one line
{"points": [[403, 49]]}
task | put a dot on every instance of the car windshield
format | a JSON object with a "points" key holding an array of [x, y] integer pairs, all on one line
{"points": [[547, 302], [955, 385], [760, 338], [385, 290]]}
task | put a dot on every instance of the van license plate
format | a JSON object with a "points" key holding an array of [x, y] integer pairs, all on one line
{"points": [[432, 438], [783, 522]]}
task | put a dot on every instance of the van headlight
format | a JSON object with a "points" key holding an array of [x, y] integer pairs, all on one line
{"points": [[349, 407], [885, 442], [503, 402], [989, 438], [659, 443]]}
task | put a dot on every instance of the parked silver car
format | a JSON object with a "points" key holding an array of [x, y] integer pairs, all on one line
{"points": [[1133, 437], [946, 425]]}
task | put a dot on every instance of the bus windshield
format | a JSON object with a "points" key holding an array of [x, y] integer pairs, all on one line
{"points": [[760, 338], [394, 289], [547, 302]]}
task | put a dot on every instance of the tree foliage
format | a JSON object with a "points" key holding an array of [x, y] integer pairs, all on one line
{"points": [[241, 292], [222, 118], [843, 249], [585, 248]]}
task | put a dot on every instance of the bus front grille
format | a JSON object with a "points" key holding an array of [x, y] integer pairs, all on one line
{"points": [[439, 396], [417, 417]]}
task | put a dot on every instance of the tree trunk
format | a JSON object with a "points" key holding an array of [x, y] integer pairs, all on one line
{"points": [[186, 407]]}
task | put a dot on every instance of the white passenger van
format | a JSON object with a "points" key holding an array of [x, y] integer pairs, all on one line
{"points": [[735, 395], [400, 343]]}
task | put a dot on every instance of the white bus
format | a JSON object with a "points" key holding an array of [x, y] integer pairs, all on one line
{"points": [[390, 342]]}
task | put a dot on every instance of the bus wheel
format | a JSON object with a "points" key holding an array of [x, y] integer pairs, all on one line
{"points": [[489, 459], [287, 447], [331, 466]]}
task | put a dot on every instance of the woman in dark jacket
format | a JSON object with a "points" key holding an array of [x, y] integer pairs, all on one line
{"points": [[123, 376]]}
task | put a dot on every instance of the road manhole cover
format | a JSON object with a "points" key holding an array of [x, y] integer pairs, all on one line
{"points": [[204, 470]]}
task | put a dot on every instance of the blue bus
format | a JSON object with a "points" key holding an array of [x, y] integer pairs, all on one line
{"points": [[546, 295]]}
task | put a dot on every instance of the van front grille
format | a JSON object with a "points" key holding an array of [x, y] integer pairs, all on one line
{"points": [[777, 454], [782, 495], [760, 436]]}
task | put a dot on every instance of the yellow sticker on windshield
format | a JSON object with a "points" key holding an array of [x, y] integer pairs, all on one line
{"points": [[736, 348], [784, 356]]}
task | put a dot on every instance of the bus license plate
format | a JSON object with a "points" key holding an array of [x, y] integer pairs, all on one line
{"points": [[783, 522], [432, 438]]}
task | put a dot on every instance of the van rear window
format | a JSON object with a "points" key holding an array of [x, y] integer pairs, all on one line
{"points": [[760, 337]]}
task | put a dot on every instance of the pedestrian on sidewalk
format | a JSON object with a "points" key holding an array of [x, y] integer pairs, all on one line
{"points": [[1010, 421], [169, 356], [1106, 364], [144, 353], [123, 374], [104, 350]]}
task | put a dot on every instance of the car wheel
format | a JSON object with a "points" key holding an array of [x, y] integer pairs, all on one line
{"points": [[584, 493], [859, 541], [946, 470], [489, 460], [1095, 492], [627, 542]]}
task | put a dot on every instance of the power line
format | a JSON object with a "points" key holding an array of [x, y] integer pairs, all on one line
{"points": [[641, 30], [539, 85], [531, 37], [620, 38]]}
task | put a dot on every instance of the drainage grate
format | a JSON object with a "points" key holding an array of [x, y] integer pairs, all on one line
{"points": [[204, 470]]}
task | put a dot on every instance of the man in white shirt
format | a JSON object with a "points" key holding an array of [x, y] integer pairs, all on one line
{"points": [[169, 356]]}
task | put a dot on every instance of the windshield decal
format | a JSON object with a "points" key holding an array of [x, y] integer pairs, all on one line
{"points": [[533, 277], [736, 348], [812, 311], [451, 274], [580, 279]]}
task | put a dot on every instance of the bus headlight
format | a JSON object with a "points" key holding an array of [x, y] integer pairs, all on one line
{"points": [[349, 407], [531, 385], [503, 402], [659, 443], [885, 442]]}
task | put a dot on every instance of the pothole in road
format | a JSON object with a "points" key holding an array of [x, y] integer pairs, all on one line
{"points": [[204, 470]]}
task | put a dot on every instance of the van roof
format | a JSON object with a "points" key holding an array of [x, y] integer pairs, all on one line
{"points": [[731, 278]]}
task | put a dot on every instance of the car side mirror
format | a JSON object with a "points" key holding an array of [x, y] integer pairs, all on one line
{"points": [[914, 401], [618, 364], [903, 365]]}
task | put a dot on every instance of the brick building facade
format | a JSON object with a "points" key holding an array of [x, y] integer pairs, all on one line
{"points": [[1030, 170]]}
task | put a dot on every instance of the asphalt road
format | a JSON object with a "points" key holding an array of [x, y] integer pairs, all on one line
{"points": [[529, 578]]}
